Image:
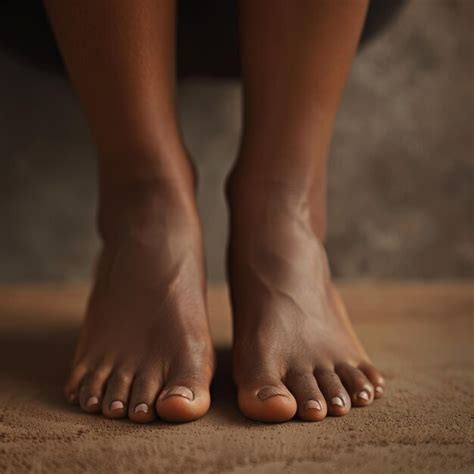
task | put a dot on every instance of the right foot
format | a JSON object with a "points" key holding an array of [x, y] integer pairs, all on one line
{"points": [[145, 348]]}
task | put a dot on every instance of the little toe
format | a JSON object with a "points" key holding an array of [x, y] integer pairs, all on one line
{"points": [[183, 399], [73, 384], [92, 389], [310, 400], [357, 385], [115, 402], [266, 400], [337, 399], [145, 389], [375, 378]]}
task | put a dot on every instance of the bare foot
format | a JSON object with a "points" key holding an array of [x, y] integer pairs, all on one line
{"points": [[295, 350], [144, 349]]}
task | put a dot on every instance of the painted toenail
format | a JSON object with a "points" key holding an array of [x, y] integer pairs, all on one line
{"points": [[92, 401], [268, 392], [312, 405], [338, 401], [178, 391], [364, 395], [142, 408], [379, 390], [116, 405]]}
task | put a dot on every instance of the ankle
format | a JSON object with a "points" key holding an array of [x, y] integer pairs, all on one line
{"points": [[147, 163], [255, 200], [144, 206]]}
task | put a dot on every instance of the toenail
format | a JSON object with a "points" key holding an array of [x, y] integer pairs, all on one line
{"points": [[92, 401], [312, 405], [379, 390], [338, 401], [178, 391], [116, 405], [142, 408], [72, 398], [268, 392], [364, 395]]}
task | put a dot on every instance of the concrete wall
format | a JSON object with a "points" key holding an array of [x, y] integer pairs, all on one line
{"points": [[401, 172]]}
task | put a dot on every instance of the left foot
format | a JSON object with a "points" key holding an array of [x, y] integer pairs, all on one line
{"points": [[295, 350]]}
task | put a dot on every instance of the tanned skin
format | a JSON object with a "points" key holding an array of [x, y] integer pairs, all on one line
{"points": [[145, 349]]}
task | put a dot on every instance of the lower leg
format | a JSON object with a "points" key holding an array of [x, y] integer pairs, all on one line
{"points": [[295, 349], [144, 347]]}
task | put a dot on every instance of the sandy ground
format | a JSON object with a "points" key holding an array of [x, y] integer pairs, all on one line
{"points": [[420, 335]]}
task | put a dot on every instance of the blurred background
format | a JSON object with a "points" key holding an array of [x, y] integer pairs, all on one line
{"points": [[401, 170]]}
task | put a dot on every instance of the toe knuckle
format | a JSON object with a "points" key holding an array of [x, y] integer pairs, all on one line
{"points": [[123, 378]]}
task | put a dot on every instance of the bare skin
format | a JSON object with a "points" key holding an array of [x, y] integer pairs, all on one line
{"points": [[145, 349], [295, 351]]}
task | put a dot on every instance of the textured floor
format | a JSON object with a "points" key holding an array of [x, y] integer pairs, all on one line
{"points": [[420, 335], [401, 168]]}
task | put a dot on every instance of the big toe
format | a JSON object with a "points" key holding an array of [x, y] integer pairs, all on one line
{"points": [[269, 402], [183, 400]]}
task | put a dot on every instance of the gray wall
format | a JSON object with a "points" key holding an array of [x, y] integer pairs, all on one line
{"points": [[401, 172]]}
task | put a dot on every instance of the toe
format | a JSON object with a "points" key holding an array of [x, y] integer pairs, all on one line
{"points": [[266, 399], [145, 389], [184, 398], [73, 384], [357, 385], [337, 399], [310, 400], [375, 378], [115, 402], [92, 389]]}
